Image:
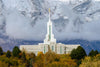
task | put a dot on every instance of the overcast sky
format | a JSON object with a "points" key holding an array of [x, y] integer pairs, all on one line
{"points": [[19, 26]]}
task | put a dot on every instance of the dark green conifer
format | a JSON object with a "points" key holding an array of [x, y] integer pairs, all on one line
{"points": [[1, 51], [8, 54], [78, 53], [16, 51]]}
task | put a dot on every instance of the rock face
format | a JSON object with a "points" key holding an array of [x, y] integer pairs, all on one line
{"points": [[35, 10]]}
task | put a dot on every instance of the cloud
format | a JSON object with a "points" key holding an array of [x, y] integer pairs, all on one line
{"points": [[19, 26], [96, 0]]}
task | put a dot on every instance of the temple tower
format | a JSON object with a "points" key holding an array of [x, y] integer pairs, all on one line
{"points": [[50, 36]]}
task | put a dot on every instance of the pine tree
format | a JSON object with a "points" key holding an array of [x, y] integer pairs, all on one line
{"points": [[1, 51], [16, 51], [23, 57], [8, 54], [96, 52], [93, 53], [78, 53]]}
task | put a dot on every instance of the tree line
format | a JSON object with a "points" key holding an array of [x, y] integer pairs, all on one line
{"points": [[16, 58]]}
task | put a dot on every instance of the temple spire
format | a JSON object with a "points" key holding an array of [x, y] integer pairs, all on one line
{"points": [[50, 36], [49, 15]]}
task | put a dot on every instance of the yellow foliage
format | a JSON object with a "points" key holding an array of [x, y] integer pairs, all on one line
{"points": [[59, 64], [98, 56], [32, 55], [27, 56], [2, 64], [91, 61], [50, 59], [40, 53], [65, 58]]}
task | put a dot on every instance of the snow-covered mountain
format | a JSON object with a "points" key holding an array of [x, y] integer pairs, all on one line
{"points": [[26, 20]]}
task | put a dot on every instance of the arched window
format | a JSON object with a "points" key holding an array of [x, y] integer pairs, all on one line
{"points": [[60, 49], [52, 48], [44, 49]]}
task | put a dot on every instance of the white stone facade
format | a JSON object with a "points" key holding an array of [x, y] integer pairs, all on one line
{"points": [[57, 48], [50, 42]]}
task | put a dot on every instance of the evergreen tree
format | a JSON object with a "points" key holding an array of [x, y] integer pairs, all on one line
{"points": [[1, 51], [23, 56], [93, 53], [16, 51], [73, 54], [8, 54], [96, 52], [31, 62], [78, 53]]}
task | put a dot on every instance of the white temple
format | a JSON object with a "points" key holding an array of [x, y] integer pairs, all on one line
{"points": [[49, 43]]}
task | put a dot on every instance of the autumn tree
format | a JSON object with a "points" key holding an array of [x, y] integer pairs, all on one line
{"points": [[40, 55], [3, 64], [50, 56], [39, 59], [91, 61]]}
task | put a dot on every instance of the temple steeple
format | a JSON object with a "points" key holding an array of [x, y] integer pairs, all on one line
{"points": [[49, 15], [50, 26], [49, 37]]}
